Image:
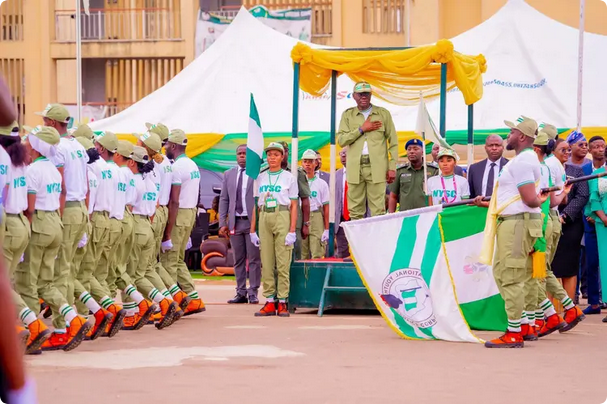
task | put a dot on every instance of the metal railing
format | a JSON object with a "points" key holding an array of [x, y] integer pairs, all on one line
{"points": [[119, 25]]}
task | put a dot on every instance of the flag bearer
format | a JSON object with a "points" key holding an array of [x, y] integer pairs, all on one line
{"points": [[152, 142], [17, 227], [185, 183], [447, 187], [314, 246], [34, 278], [277, 210], [517, 206]]}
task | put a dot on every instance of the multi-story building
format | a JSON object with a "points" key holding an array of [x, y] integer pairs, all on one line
{"points": [[132, 47]]}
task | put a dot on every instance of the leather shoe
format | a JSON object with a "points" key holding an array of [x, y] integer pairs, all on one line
{"points": [[238, 299], [253, 300]]}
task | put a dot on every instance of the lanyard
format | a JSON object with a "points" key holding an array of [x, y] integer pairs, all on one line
{"points": [[442, 181], [278, 174]]}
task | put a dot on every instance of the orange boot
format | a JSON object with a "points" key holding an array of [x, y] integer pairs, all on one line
{"points": [[268, 309], [178, 315], [102, 319], [529, 333], [56, 342], [137, 321], [552, 324], [508, 340], [77, 330], [182, 299], [39, 333], [23, 334], [573, 317], [195, 306], [116, 324], [538, 325], [282, 311], [167, 310]]}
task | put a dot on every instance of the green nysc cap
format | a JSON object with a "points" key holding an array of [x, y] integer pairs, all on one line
{"points": [[56, 112], [160, 129], [551, 131], [443, 151], [108, 140], [309, 155], [362, 87], [277, 146], [45, 133], [125, 148], [85, 142], [178, 136], [541, 139], [84, 131], [151, 140], [140, 155], [10, 130]]}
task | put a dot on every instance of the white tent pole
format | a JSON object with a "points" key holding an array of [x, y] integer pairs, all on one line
{"points": [[408, 23], [78, 64], [580, 73]]}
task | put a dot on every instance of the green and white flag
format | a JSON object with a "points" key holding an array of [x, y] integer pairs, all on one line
{"points": [[421, 269], [425, 126], [254, 143]]}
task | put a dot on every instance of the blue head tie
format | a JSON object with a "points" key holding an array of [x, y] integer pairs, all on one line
{"points": [[575, 137]]}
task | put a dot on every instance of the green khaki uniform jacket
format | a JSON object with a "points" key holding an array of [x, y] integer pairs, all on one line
{"points": [[409, 186]]}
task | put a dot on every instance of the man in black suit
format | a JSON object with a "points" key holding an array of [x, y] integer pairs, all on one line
{"points": [[322, 174], [482, 175]]}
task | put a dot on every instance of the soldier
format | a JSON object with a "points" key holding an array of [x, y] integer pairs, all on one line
{"points": [[369, 132], [408, 188]]}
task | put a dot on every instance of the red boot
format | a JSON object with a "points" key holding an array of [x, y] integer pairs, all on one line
{"points": [[508, 340]]}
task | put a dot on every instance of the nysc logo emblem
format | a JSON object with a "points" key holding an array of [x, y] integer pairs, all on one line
{"points": [[407, 293]]}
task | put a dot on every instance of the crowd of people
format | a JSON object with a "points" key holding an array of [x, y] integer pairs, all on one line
{"points": [[88, 216]]}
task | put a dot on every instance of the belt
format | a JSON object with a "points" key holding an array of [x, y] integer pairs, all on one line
{"points": [[15, 215], [364, 159], [317, 210], [271, 210], [71, 204], [242, 217], [141, 216], [521, 216], [102, 212]]}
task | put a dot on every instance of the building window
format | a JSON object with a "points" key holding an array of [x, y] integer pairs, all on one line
{"points": [[383, 16], [11, 20], [13, 73]]}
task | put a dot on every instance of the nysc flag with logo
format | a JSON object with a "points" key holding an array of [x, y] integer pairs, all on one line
{"points": [[421, 269]]}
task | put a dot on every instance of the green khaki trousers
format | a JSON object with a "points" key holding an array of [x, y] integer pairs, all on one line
{"points": [[141, 258], [173, 260], [78, 263], [158, 225], [75, 218], [17, 234], [91, 273], [313, 247], [512, 263], [275, 255], [551, 284], [366, 194], [124, 245], [34, 279], [105, 265]]}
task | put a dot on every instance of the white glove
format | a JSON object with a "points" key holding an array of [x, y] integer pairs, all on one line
{"points": [[255, 239], [290, 239], [22, 258], [83, 241], [325, 236], [166, 246], [189, 244], [26, 395]]}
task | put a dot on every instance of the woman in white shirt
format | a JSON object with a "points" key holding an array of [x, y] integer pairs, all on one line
{"points": [[314, 246], [34, 279], [141, 265], [447, 187], [277, 193]]}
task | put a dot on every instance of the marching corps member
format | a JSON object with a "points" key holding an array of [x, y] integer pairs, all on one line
{"points": [[17, 230], [141, 257], [138, 309], [152, 141], [447, 187], [517, 198], [314, 245], [277, 211], [185, 183], [34, 278]]}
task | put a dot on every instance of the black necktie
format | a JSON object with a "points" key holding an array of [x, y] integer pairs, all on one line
{"points": [[490, 178], [239, 191]]}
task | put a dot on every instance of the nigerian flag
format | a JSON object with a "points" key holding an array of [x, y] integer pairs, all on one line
{"points": [[421, 269], [254, 142]]}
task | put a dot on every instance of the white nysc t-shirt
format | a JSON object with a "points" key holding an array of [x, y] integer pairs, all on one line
{"points": [[163, 177], [105, 189], [557, 173], [44, 180], [16, 198], [319, 193], [72, 156], [280, 185], [93, 187], [186, 174], [119, 191], [456, 188], [522, 170], [146, 195], [5, 163]]}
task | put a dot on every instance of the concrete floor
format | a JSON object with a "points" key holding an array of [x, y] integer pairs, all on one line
{"points": [[226, 355]]}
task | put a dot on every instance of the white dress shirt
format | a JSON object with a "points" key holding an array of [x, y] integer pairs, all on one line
{"points": [[496, 173], [245, 181]]}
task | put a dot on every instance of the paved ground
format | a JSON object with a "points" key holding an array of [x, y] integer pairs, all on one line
{"points": [[226, 355]]}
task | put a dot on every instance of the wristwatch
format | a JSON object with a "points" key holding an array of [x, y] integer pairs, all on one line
{"points": [[361, 131]]}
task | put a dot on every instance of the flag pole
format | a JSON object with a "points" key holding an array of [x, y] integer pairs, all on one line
{"points": [[580, 73], [78, 64], [421, 100]]}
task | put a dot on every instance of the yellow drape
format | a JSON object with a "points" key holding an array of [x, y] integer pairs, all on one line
{"points": [[396, 76], [198, 143]]}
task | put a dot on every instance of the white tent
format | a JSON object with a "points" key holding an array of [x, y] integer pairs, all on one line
{"points": [[532, 71]]}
